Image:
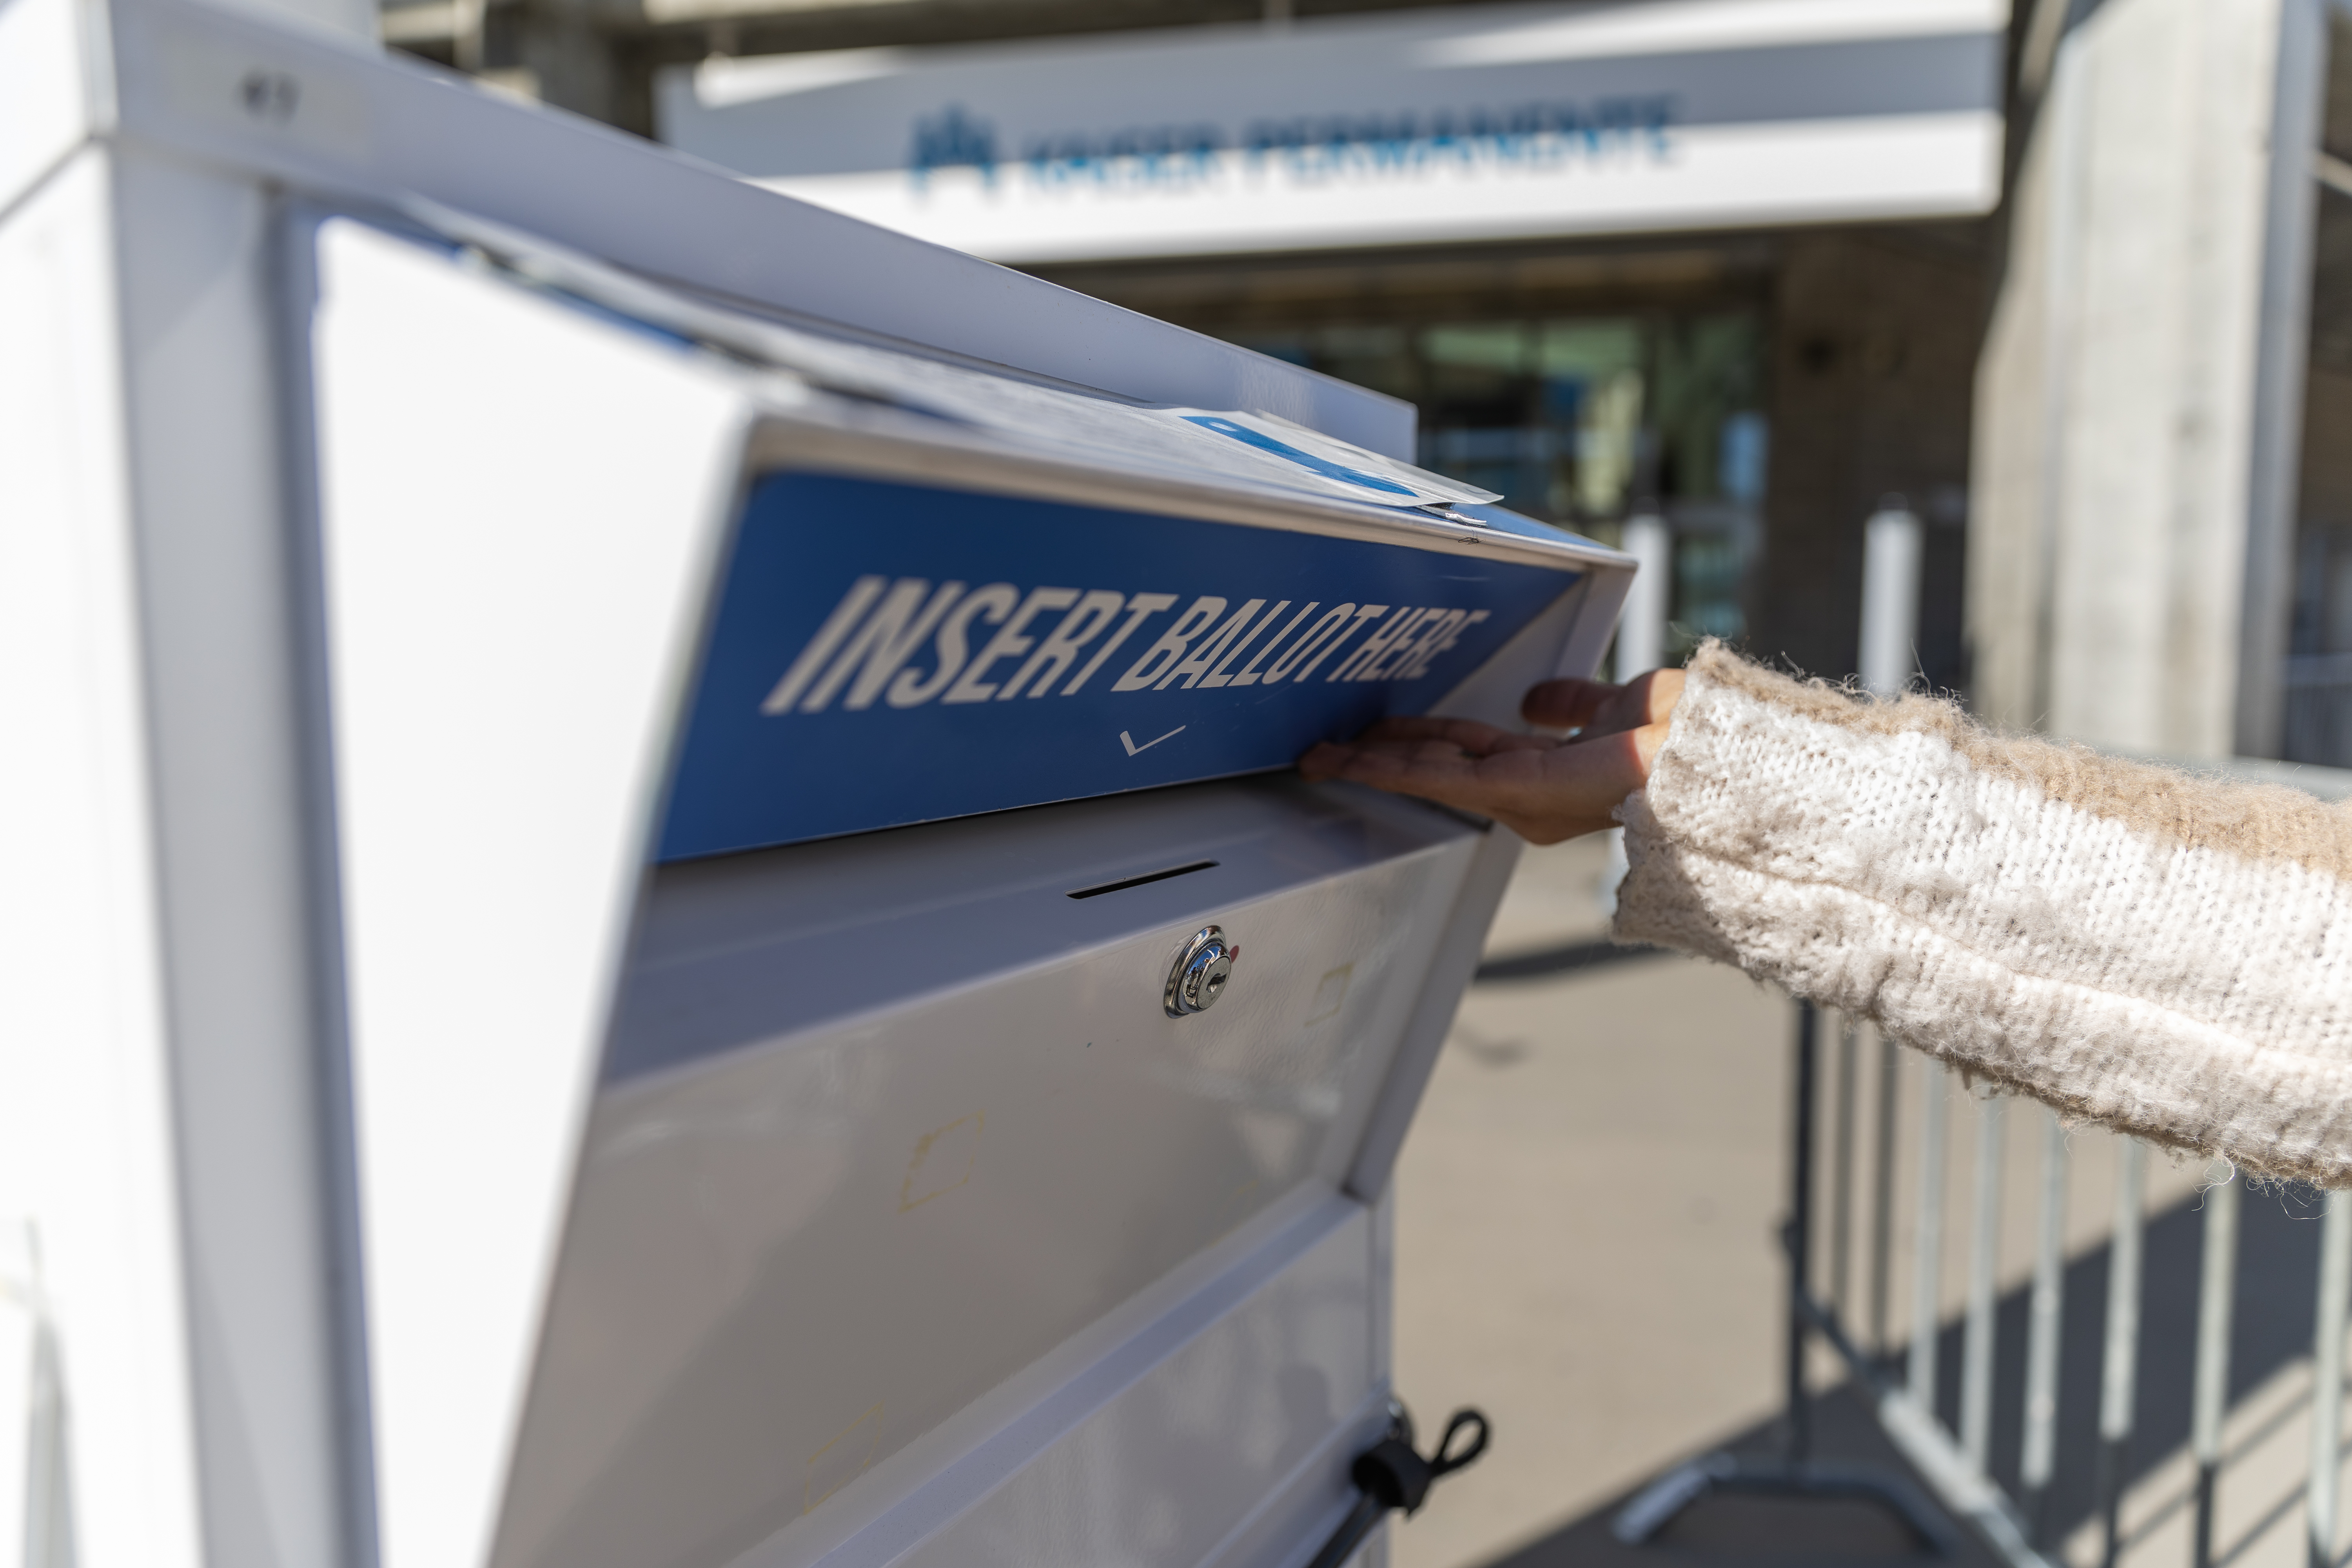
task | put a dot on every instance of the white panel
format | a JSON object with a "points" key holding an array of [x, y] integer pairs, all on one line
{"points": [[1275, 1391], [236, 900], [521, 505], [44, 90], [86, 1139], [931, 1122], [1719, 176]]}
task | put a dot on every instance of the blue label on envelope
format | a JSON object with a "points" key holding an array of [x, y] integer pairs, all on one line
{"points": [[888, 653]]}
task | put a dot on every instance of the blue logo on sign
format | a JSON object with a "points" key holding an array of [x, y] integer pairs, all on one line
{"points": [[1545, 134]]}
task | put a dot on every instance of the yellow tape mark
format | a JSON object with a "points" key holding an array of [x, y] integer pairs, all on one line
{"points": [[810, 1496], [1330, 995], [937, 1151]]}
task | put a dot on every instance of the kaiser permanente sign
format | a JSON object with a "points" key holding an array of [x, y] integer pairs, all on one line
{"points": [[1455, 124]]}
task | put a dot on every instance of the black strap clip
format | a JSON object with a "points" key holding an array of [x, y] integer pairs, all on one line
{"points": [[1392, 1474]]}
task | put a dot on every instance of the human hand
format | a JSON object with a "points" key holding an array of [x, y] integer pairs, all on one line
{"points": [[1544, 790]]}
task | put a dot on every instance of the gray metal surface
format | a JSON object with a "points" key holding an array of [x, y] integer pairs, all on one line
{"points": [[888, 1119]]}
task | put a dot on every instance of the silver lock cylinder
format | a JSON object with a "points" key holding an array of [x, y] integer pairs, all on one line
{"points": [[1200, 973]]}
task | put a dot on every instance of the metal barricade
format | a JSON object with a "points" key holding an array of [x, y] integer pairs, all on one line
{"points": [[1899, 1379]]}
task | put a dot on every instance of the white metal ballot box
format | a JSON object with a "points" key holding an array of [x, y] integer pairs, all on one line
{"points": [[652, 909]]}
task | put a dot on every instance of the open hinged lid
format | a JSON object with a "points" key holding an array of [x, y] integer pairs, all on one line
{"points": [[901, 634], [944, 589]]}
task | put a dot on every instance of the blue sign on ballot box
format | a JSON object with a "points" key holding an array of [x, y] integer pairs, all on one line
{"points": [[888, 653]]}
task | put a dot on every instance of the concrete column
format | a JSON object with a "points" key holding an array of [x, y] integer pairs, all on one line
{"points": [[2128, 544]]}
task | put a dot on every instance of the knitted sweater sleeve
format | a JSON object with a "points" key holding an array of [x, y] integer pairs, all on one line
{"points": [[2166, 954]]}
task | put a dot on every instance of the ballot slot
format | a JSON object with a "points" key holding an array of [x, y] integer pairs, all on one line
{"points": [[886, 1119], [1124, 883]]}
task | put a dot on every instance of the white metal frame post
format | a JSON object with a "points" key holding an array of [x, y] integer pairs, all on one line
{"points": [[2325, 1486], [1641, 627], [1894, 546], [2216, 1296], [88, 1166], [1984, 1258], [2119, 1363], [1927, 1262], [2045, 1334], [212, 691]]}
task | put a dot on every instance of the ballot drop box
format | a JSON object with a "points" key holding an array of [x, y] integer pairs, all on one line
{"points": [[655, 910]]}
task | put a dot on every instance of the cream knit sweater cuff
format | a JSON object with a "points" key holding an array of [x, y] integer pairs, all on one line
{"points": [[2160, 952]]}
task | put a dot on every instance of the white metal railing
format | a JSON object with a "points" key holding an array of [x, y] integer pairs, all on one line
{"points": [[1955, 1459]]}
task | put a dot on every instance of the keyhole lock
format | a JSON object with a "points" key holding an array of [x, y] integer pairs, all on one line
{"points": [[1200, 973]]}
